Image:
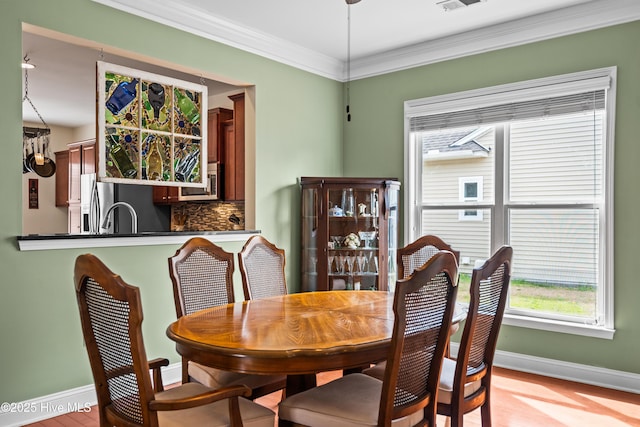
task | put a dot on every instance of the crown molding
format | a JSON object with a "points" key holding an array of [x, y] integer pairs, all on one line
{"points": [[571, 20], [183, 17]]}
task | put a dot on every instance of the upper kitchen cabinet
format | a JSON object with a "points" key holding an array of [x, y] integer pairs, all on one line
{"points": [[82, 159], [217, 118], [234, 147], [62, 178]]}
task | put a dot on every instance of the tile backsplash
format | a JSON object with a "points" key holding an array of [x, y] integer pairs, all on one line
{"points": [[207, 216]]}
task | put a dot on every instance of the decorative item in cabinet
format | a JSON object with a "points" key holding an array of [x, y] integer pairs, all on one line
{"points": [[349, 233]]}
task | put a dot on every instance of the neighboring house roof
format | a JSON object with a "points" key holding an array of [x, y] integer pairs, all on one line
{"points": [[454, 144]]}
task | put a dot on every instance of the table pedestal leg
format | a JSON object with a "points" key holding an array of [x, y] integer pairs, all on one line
{"points": [[298, 383]]}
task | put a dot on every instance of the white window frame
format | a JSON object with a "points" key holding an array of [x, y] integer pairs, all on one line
{"points": [[502, 94], [462, 182]]}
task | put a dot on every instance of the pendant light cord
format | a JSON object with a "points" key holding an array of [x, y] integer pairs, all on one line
{"points": [[348, 60], [26, 98]]}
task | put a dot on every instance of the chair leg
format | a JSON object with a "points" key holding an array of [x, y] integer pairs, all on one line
{"points": [[185, 371], [485, 411], [456, 420]]}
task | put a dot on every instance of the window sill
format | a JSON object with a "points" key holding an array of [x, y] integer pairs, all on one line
{"points": [[558, 326]]}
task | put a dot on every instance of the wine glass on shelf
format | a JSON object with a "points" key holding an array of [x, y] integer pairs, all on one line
{"points": [[351, 259], [330, 258], [367, 236], [372, 263], [362, 262], [341, 260]]}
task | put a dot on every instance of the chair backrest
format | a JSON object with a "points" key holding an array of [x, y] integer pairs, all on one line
{"points": [[417, 253], [488, 289], [423, 309], [111, 316], [202, 276], [262, 269]]}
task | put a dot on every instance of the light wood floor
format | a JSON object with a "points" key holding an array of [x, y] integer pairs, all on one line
{"points": [[518, 400]]}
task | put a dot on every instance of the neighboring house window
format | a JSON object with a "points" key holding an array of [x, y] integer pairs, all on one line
{"points": [[530, 165], [470, 190]]}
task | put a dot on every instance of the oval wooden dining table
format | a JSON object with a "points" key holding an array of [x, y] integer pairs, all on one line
{"points": [[297, 334]]}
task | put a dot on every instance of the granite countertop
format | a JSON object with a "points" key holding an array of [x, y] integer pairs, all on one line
{"points": [[70, 241]]}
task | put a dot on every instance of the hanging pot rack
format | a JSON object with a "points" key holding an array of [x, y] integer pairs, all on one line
{"points": [[26, 98], [38, 161]]}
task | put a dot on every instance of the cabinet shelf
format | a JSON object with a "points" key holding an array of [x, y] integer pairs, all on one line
{"points": [[352, 250], [364, 274]]}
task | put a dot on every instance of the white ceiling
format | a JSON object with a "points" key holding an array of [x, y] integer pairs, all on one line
{"points": [[386, 35]]}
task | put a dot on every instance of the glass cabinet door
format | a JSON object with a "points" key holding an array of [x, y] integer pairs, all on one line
{"points": [[310, 223], [353, 251], [391, 198]]}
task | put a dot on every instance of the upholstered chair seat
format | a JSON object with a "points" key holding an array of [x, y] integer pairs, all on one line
{"points": [[212, 415]]}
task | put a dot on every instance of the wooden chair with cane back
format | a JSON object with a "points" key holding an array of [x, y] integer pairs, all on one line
{"points": [[423, 308], [202, 277], [262, 269], [418, 252], [465, 383], [409, 258], [111, 317]]}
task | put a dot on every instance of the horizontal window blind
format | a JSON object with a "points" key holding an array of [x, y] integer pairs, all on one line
{"points": [[517, 110]]}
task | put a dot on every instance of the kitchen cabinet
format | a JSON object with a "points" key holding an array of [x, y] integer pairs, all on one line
{"points": [[81, 160], [62, 178], [165, 195], [215, 133], [74, 218], [349, 237], [233, 163], [226, 146]]}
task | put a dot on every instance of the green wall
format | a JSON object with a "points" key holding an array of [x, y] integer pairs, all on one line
{"points": [[299, 131], [42, 349], [375, 142]]}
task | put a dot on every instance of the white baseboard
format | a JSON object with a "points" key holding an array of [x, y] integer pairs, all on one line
{"points": [[74, 400], [585, 374], [79, 398]]}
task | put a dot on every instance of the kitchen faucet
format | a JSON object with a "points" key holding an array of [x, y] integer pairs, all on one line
{"points": [[134, 216]]}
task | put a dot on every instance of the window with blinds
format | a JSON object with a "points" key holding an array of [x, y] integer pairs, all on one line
{"points": [[542, 152]]}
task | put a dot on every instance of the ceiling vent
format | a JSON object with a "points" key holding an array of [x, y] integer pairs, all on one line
{"points": [[449, 5]]}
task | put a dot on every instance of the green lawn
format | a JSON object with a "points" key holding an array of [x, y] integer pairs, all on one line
{"points": [[566, 300]]}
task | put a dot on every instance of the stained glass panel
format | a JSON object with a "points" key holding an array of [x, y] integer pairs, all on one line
{"points": [[152, 128], [156, 102]]}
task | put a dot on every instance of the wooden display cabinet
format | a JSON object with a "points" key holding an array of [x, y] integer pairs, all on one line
{"points": [[333, 211]]}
